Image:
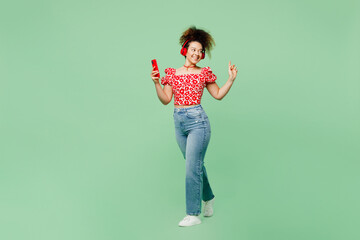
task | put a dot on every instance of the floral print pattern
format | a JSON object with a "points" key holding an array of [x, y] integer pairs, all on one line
{"points": [[188, 88]]}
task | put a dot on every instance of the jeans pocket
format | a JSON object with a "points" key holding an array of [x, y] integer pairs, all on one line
{"points": [[193, 113]]}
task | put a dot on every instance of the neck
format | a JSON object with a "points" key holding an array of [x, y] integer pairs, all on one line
{"points": [[191, 66], [188, 64]]}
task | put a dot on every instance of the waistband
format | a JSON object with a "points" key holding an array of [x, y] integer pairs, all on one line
{"points": [[187, 108]]}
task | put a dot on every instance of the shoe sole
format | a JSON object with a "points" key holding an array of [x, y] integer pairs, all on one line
{"points": [[189, 225]]}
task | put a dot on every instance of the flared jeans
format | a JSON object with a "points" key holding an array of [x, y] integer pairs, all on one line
{"points": [[192, 130]]}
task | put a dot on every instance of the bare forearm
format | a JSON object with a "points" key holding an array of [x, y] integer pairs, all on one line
{"points": [[224, 89], [161, 94]]}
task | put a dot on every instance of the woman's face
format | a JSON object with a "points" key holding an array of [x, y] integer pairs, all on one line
{"points": [[194, 52]]}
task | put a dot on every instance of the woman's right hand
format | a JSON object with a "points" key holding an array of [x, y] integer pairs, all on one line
{"points": [[153, 76]]}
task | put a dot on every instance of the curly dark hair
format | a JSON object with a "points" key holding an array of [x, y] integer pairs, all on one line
{"points": [[199, 35]]}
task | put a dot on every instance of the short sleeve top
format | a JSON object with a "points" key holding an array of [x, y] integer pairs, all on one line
{"points": [[188, 88]]}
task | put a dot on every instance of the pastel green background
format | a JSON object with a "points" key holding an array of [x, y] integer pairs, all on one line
{"points": [[88, 151]]}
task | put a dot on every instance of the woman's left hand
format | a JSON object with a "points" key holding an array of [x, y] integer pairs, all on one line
{"points": [[232, 71]]}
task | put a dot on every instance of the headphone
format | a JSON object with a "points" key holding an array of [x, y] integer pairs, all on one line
{"points": [[183, 51]]}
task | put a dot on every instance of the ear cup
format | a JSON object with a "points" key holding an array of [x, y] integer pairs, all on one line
{"points": [[183, 50]]}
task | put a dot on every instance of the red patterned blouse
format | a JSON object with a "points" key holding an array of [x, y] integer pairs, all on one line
{"points": [[188, 88]]}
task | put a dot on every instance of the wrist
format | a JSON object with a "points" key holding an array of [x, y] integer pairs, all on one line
{"points": [[231, 80]]}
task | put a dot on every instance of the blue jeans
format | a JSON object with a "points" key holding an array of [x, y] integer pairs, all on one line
{"points": [[192, 130]]}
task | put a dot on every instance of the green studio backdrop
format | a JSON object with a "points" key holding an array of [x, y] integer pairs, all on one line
{"points": [[87, 151]]}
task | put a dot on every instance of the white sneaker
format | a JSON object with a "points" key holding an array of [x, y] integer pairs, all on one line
{"points": [[208, 208], [189, 220]]}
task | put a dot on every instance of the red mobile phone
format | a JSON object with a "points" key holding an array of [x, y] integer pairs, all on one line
{"points": [[155, 67]]}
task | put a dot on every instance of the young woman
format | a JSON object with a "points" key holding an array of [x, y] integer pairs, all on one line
{"points": [[192, 126]]}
